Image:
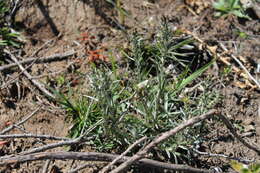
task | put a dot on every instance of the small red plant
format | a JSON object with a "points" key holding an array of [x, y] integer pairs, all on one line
{"points": [[95, 56], [86, 37]]}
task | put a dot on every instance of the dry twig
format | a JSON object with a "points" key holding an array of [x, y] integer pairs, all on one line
{"points": [[29, 66], [20, 123], [44, 148], [107, 168], [34, 81], [51, 146], [55, 57], [94, 156], [32, 154], [245, 161], [46, 166], [45, 45], [233, 131], [241, 65], [32, 136], [81, 139]]}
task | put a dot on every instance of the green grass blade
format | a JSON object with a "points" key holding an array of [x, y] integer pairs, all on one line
{"points": [[194, 75]]}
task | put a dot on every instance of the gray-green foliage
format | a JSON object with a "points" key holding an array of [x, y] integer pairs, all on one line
{"points": [[141, 99]]}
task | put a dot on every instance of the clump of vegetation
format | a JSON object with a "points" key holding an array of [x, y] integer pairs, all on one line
{"points": [[225, 7], [145, 98], [7, 36]]}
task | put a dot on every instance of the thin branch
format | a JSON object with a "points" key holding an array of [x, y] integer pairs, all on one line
{"points": [[241, 65], [21, 122], [29, 66], [107, 168], [81, 139], [245, 161], [162, 137], [51, 146], [44, 45], [46, 166], [33, 136], [14, 9], [34, 81], [55, 57], [45, 147], [17, 76], [94, 156], [236, 135]]}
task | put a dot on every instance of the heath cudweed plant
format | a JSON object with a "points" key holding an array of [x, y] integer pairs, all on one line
{"points": [[141, 98]]}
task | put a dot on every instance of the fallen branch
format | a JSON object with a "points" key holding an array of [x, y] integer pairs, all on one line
{"points": [[49, 146], [81, 139], [17, 76], [30, 65], [241, 160], [44, 148], [241, 65], [55, 57], [107, 168], [162, 137], [233, 131], [34, 81], [32, 136], [45, 45], [94, 156]]}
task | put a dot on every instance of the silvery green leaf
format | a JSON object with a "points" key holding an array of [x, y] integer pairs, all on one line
{"points": [[142, 84]]}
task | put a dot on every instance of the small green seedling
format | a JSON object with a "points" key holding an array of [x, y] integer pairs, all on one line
{"points": [[225, 7], [226, 71], [242, 34], [242, 168]]}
